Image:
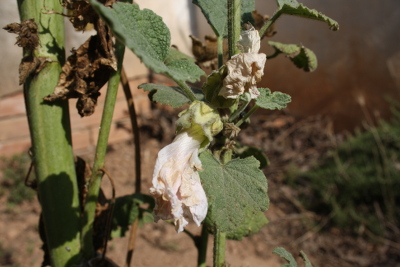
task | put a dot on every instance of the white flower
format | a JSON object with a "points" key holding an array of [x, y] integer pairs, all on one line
{"points": [[244, 71], [176, 186], [176, 183]]}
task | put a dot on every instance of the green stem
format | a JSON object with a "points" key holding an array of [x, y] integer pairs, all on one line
{"points": [[219, 248], [246, 98], [275, 54], [50, 131], [186, 89], [234, 26], [202, 247], [248, 114], [101, 148], [269, 23], [220, 46]]}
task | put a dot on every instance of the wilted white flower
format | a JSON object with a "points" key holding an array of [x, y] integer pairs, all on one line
{"points": [[244, 70], [176, 183], [249, 41]]}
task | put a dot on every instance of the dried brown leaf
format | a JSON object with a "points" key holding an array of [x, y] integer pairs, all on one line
{"points": [[31, 65], [205, 54], [27, 32], [86, 71], [81, 13]]}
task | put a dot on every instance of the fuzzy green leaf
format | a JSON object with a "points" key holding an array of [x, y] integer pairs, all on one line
{"points": [[174, 54], [149, 38], [236, 193], [169, 95], [292, 7], [301, 56], [307, 262], [252, 223], [275, 100], [283, 253], [184, 70], [216, 13]]}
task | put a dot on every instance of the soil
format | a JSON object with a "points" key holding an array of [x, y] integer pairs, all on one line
{"points": [[287, 140]]}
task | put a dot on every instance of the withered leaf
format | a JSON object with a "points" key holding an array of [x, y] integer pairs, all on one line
{"points": [[27, 32], [260, 21], [86, 71], [81, 13], [205, 54], [30, 65]]}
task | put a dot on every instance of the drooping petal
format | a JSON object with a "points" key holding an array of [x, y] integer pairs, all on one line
{"points": [[176, 183]]}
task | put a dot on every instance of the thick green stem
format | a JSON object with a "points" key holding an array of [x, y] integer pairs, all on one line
{"points": [[248, 114], [101, 148], [50, 130], [219, 248], [269, 23], [202, 247], [234, 26]]}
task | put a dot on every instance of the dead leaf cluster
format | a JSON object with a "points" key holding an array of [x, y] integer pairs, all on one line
{"points": [[27, 32], [89, 67]]}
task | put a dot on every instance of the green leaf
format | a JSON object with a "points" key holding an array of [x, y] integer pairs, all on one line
{"points": [[184, 70], [252, 223], [169, 95], [127, 210], [149, 38], [307, 262], [301, 56], [216, 13], [283, 253], [174, 54], [292, 7], [275, 100], [236, 193]]}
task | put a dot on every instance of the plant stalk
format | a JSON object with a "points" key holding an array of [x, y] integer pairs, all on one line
{"points": [[269, 23], [234, 26], [219, 248], [248, 114], [202, 247], [101, 149], [50, 131], [186, 89]]}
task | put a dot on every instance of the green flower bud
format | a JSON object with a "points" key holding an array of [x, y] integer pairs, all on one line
{"points": [[201, 122]]}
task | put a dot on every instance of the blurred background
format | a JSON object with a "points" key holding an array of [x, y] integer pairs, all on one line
{"points": [[334, 152]]}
